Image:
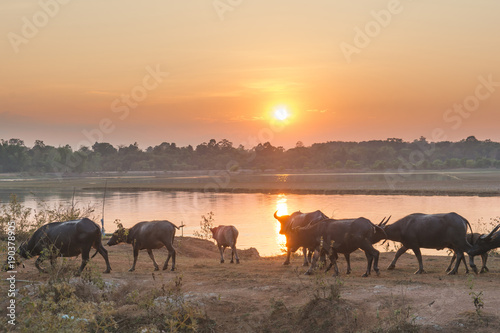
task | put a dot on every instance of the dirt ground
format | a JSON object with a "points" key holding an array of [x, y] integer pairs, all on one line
{"points": [[262, 295]]}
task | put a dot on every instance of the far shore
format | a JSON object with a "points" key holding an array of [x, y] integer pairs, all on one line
{"points": [[462, 182]]}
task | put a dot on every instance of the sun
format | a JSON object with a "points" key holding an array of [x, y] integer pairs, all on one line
{"points": [[281, 114]]}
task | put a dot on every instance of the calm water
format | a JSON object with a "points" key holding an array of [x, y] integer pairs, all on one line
{"points": [[252, 214]]}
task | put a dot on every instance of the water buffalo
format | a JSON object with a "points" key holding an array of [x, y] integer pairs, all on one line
{"points": [[226, 236], [148, 235], [65, 239], [431, 231], [297, 220], [486, 242], [343, 236], [472, 239]]}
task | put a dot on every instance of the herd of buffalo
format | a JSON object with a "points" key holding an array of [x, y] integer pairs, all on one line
{"points": [[314, 232]]}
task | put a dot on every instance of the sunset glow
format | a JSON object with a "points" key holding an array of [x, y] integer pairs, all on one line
{"points": [[281, 114], [185, 72]]}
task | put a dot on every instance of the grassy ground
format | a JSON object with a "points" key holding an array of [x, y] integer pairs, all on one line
{"points": [[258, 295], [446, 182]]}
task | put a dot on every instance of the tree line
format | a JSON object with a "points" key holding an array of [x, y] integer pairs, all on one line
{"points": [[392, 153]]}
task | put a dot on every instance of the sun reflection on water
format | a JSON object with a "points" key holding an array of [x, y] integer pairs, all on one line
{"points": [[282, 208]]}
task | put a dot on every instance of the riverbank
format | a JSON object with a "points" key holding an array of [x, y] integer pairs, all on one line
{"points": [[447, 182], [262, 295]]}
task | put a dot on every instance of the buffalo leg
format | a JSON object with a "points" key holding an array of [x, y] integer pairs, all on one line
{"points": [[136, 254], [309, 256], [372, 256], [484, 258], [235, 254], [471, 263], [306, 262], [463, 260], [451, 262], [104, 253], [152, 256], [400, 252], [460, 257], [474, 268], [348, 261], [331, 261], [313, 263], [421, 270], [85, 260], [369, 260], [221, 250], [287, 260], [38, 261], [171, 253]]}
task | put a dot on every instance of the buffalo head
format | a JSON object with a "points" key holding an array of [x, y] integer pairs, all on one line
{"points": [[485, 243], [119, 236], [214, 231], [380, 230], [283, 220]]}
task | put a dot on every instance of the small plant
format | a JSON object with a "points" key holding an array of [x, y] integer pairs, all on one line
{"points": [[395, 316], [92, 275], [325, 289], [206, 223], [477, 297], [277, 305]]}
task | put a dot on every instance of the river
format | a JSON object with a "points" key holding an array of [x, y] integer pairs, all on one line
{"points": [[252, 214]]}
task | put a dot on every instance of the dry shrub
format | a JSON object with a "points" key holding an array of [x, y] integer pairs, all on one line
{"points": [[395, 315], [160, 308]]}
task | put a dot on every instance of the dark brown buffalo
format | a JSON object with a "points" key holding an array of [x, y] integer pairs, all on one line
{"points": [[343, 236], [431, 231], [148, 235], [226, 236], [294, 221], [65, 239]]}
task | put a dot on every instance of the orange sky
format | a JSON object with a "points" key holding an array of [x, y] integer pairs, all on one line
{"points": [[69, 68]]}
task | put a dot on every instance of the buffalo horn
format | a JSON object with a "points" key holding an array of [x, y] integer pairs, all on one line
{"points": [[492, 232], [276, 215], [384, 222]]}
